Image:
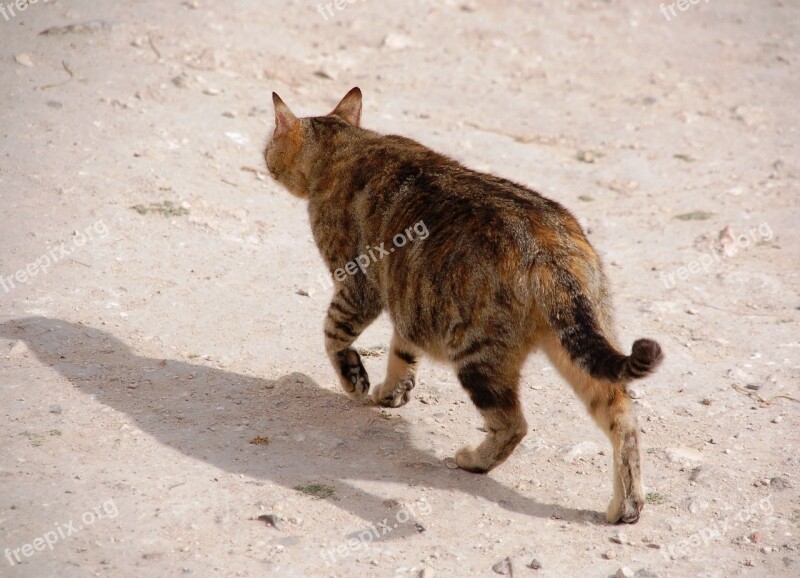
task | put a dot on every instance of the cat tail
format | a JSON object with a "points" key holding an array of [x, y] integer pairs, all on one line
{"points": [[574, 320]]}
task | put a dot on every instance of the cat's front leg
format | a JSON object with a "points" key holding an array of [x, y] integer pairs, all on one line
{"points": [[400, 374], [349, 313]]}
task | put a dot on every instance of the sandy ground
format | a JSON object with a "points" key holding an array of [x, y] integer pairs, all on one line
{"points": [[164, 389]]}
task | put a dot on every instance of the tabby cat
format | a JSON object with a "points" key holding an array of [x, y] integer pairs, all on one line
{"points": [[495, 271]]}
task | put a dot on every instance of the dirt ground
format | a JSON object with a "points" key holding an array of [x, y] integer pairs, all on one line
{"points": [[167, 405]]}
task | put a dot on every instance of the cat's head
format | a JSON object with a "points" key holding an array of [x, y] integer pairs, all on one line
{"points": [[295, 144]]}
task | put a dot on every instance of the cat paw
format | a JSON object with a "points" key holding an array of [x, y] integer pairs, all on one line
{"points": [[467, 459], [624, 510], [397, 396], [355, 380]]}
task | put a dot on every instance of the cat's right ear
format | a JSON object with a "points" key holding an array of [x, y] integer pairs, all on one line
{"points": [[285, 119]]}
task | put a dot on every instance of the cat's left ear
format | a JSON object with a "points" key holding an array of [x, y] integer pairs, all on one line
{"points": [[349, 109], [284, 118]]}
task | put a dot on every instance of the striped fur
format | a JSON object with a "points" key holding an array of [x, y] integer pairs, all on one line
{"points": [[501, 271]]}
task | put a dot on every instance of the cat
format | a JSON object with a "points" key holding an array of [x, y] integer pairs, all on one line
{"points": [[501, 271]]}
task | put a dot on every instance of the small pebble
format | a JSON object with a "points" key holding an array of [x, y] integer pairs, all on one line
{"points": [[23, 59], [624, 572], [777, 419], [610, 555], [427, 573], [619, 537], [535, 564], [271, 520], [55, 409], [780, 483], [503, 567]]}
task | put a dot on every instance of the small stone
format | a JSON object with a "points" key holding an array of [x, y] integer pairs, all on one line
{"points": [[503, 567], [624, 572], [707, 400], [23, 59], [55, 104], [753, 386], [55, 409], [619, 537], [535, 564], [271, 520], [766, 549], [427, 573], [696, 504], [610, 555], [635, 392], [683, 454], [19, 349], [755, 537], [780, 483], [570, 453], [777, 419], [397, 41], [644, 573], [451, 463]]}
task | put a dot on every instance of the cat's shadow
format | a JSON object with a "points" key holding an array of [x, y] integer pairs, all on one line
{"points": [[315, 436]]}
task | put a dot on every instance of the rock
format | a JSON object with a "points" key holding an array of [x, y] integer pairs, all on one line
{"points": [[738, 375], [238, 138], [23, 59], [644, 573], [397, 41], [88, 27], [610, 555], [703, 475], [503, 567], [183, 80], [780, 483], [727, 241], [683, 455], [619, 537], [777, 419], [753, 386], [755, 537], [271, 520], [427, 573], [570, 453], [635, 392], [19, 349], [55, 409], [695, 505], [534, 564], [624, 572]]}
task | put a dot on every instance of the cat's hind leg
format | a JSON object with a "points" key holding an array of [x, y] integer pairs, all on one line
{"points": [[348, 315], [400, 374], [610, 406], [493, 389]]}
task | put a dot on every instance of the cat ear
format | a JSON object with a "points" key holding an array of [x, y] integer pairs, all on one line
{"points": [[349, 109], [284, 118]]}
